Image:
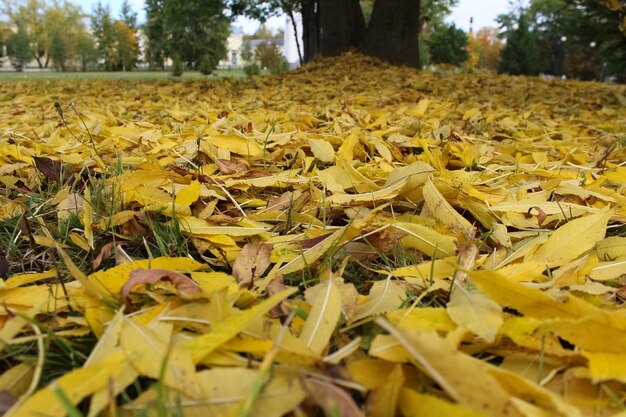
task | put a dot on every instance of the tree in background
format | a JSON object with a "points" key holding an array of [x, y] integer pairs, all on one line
{"points": [[268, 56], [448, 45], [18, 47], [196, 31], [103, 31], [126, 37], [520, 55], [28, 16], [58, 50], [117, 42], [154, 29], [583, 39], [487, 45], [86, 51]]}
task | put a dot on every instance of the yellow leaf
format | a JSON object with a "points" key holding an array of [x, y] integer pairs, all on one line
{"points": [[371, 197], [465, 379], [385, 295], [419, 109], [322, 150], [228, 388], [529, 301], [16, 379], [441, 210], [438, 269], [474, 311], [76, 385], [233, 143], [189, 194], [196, 226], [572, 239], [383, 400], [323, 317], [414, 404], [606, 366], [611, 248], [222, 332], [18, 280], [604, 271], [427, 240]]}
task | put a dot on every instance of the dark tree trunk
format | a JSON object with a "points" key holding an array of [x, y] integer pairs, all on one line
{"points": [[393, 32], [310, 29], [342, 26], [332, 27]]}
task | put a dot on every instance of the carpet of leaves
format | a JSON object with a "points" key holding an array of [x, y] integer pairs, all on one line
{"points": [[348, 239]]}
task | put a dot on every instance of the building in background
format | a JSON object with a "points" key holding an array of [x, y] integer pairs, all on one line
{"points": [[234, 43]]}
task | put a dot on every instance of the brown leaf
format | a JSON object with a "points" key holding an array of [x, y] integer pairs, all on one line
{"points": [[332, 399], [105, 252], [7, 399], [309, 243], [274, 287], [53, 170], [232, 166], [251, 262], [541, 215], [151, 276], [203, 178]]}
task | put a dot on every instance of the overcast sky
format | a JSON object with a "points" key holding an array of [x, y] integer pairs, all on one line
{"points": [[483, 11]]}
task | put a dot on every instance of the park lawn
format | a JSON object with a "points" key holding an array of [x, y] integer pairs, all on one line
{"points": [[111, 75], [349, 238]]}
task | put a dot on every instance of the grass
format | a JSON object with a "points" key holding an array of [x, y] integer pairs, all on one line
{"points": [[111, 75]]}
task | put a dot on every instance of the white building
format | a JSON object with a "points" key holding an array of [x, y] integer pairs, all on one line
{"points": [[234, 44]]}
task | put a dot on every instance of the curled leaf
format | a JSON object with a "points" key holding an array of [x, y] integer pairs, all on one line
{"points": [[152, 276]]}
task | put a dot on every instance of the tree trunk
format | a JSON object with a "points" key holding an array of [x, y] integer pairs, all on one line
{"points": [[393, 32], [295, 34], [342, 26], [310, 29]]}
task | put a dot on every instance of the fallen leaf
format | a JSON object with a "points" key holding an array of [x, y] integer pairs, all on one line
{"points": [[251, 263], [152, 276]]}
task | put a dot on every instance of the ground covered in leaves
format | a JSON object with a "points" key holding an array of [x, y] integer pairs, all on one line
{"points": [[348, 239]]}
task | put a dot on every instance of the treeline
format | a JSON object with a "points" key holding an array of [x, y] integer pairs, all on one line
{"points": [[577, 39], [61, 36], [583, 40]]}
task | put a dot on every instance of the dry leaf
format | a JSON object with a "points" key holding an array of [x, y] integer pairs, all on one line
{"points": [[152, 276], [251, 263]]}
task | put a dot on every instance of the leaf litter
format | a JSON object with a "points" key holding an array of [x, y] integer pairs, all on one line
{"points": [[388, 243]]}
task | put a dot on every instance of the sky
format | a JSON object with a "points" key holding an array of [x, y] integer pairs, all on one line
{"points": [[484, 13]]}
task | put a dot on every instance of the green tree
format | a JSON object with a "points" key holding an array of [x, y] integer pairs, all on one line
{"points": [[58, 51], [126, 47], [18, 47], [197, 31], [128, 15], [520, 55], [580, 38], [154, 29], [30, 15], [86, 53], [268, 56], [448, 45], [104, 33]]}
